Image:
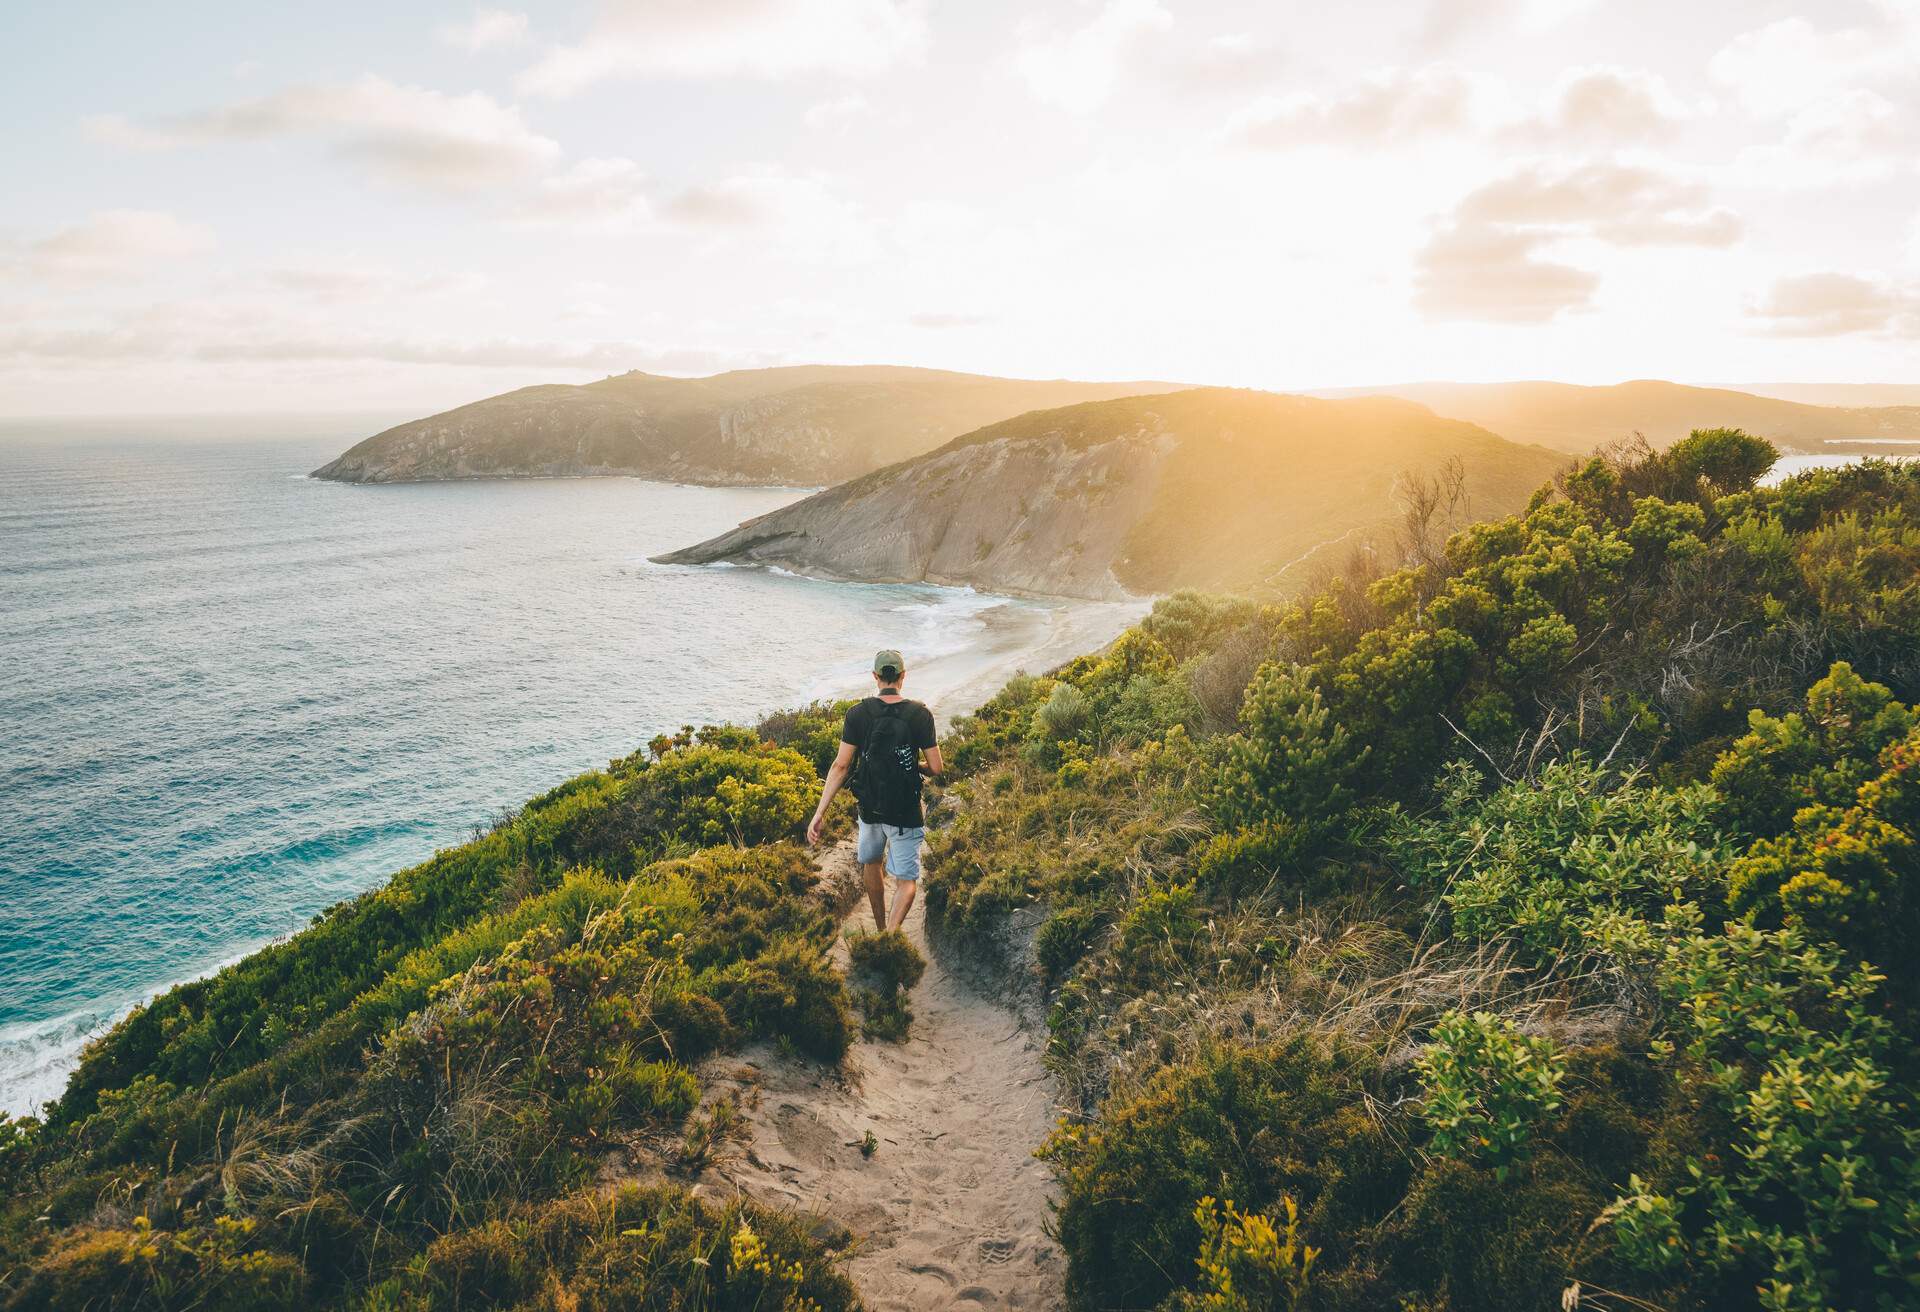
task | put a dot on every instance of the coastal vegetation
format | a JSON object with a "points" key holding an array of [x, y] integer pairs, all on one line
{"points": [[1510, 918], [466, 1088], [1530, 937]]}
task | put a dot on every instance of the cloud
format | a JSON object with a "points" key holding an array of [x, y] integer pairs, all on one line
{"points": [[1496, 275], [794, 207], [166, 336], [838, 112], [1224, 64], [488, 29], [1838, 305], [1605, 105], [608, 194], [1846, 100], [1485, 262], [1624, 205], [403, 134], [951, 319], [733, 38], [1395, 105], [113, 244], [1449, 21], [1078, 68], [343, 284]]}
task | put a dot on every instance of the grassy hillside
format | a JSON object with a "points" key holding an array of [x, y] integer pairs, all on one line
{"points": [[1580, 419], [471, 1087], [801, 424], [1520, 924], [1210, 487], [1523, 927]]}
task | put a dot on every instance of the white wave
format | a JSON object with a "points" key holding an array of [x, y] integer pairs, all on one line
{"points": [[38, 1057]]}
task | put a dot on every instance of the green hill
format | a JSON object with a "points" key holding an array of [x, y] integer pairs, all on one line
{"points": [[805, 424], [1210, 487]]}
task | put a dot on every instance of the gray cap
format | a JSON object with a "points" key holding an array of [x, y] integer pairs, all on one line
{"points": [[889, 662]]}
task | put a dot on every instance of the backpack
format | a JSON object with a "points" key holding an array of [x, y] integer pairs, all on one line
{"points": [[887, 779]]}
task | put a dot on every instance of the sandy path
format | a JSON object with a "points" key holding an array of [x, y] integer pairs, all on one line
{"points": [[950, 1207]]}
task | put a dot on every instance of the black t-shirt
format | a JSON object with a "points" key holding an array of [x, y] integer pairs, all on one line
{"points": [[859, 723]]}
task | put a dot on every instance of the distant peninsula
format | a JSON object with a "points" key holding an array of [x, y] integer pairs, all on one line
{"points": [[802, 426], [1213, 488], [1578, 420]]}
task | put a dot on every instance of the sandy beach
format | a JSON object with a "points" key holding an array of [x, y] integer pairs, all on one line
{"points": [[1015, 636]]}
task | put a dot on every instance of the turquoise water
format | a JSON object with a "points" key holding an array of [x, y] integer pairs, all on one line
{"points": [[231, 695]]}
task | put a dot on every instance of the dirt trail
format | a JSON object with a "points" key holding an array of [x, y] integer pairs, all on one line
{"points": [[950, 1207]]}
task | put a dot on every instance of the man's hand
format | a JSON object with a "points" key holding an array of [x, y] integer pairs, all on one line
{"points": [[813, 829]]}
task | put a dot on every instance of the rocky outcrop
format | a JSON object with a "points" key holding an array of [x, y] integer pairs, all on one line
{"points": [[1208, 487], [797, 426]]}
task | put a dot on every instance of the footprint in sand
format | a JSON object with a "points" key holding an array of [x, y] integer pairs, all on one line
{"points": [[998, 1250]]}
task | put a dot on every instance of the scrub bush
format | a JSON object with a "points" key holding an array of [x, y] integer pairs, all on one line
{"points": [[884, 968], [709, 795], [1808, 1190], [1248, 1263], [1486, 1087], [1293, 762], [1819, 758], [1245, 1124]]}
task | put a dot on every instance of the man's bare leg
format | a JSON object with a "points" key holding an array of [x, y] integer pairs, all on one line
{"points": [[874, 873], [903, 891]]}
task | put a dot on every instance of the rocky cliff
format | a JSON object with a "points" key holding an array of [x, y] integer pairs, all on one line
{"points": [[802, 425], [1210, 488]]}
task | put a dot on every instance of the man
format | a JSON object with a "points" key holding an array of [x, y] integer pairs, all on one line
{"points": [[888, 734]]}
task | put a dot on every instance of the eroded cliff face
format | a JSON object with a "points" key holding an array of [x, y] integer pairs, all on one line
{"points": [[1041, 517]]}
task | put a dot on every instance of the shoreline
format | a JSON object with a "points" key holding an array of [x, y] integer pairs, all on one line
{"points": [[1017, 634], [1020, 635]]}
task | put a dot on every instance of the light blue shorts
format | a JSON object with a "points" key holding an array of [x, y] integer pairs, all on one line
{"points": [[901, 844]]}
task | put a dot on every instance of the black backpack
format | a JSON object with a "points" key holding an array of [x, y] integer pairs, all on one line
{"points": [[887, 779]]}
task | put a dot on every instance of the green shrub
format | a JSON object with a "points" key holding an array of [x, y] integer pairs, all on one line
{"points": [[884, 967], [812, 730], [790, 994], [1293, 762], [1725, 459], [1159, 935], [142, 1268], [1249, 1124], [886, 960], [1820, 758], [1248, 861], [1865, 573], [1576, 860], [1486, 1087], [1809, 1191], [1850, 874], [1066, 935], [1248, 1263], [1189, 624], [653, 1250], [709, 795], [1063, 715]]}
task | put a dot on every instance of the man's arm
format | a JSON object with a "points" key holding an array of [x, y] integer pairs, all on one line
{"points": [[836, 776], [933, 765]]}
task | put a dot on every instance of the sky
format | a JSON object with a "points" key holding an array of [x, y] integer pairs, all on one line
{"points": [[230, 207]]}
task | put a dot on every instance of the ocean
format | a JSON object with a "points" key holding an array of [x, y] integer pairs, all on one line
{"points": [[231, 695]]}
